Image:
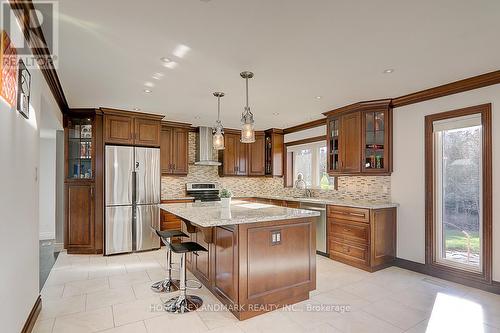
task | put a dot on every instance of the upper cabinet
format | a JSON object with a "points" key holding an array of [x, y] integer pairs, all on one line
{"points": [[256, 156], [80, 133], [174, 149], [275, 142], [235, 156], [359, 139], [131, 128]]}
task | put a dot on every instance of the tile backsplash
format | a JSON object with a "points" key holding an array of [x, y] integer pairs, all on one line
{"points": [[373, 188]]}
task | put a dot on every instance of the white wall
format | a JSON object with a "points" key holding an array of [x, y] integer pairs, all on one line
{"points": [[19, 151], [408, 186], [47, 187]]}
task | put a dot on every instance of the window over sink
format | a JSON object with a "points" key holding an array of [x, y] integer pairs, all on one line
{"points": [[310, 161]]}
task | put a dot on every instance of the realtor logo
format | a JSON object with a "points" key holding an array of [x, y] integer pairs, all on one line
{"points": [[33, 29]]}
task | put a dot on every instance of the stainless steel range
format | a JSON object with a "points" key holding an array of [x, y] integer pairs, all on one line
{"points": [[203, 191]]}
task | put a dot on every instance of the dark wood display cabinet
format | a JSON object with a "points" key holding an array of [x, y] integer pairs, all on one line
{"points": [[359, 139], [83, 181], [275, 142]]}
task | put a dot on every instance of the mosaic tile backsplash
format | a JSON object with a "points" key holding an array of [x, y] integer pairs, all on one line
{"points": [[371, 188]]}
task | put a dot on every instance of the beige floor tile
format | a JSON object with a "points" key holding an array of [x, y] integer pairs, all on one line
{"points": [[227, 329], [52, 291], [137, 327], [367, 290], [362, 322], [128, 279], [62, 276], [109, 297], [270, 322], [396, 313], [126, 313], [143, 290], [43, 326], [214, 315], [85, 322], [85, 286], [350, 302], [187, 322], [310, 313], [98, 271], [62, 306]]}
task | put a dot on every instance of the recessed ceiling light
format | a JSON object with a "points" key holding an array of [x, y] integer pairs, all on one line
{"points": [[181, 50], [196, 117], [149, 84], [165, 59], [276, 113], [137, 109], [318, 97], [158, 76], [171, 64], [389, 71], [148, 91]]}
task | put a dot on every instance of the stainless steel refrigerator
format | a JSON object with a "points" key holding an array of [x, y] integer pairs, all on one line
{"points": [[132, 194]]}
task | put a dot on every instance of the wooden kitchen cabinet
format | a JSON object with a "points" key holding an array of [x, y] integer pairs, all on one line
{"points": [[364, 238], [274, 152], [234, 157], [83, 182], [174, 146], [80, 217], [131, 128], [359, 139], [256, 156], [169, 221]]}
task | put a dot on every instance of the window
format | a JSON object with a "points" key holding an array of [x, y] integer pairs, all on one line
{"points": [[458, 173], [309, 160]]}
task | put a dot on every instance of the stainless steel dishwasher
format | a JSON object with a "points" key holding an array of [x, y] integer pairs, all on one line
{"points": [[321, 240]]}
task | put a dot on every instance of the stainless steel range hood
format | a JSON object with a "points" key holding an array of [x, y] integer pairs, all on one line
{"points": [[204, 148]]}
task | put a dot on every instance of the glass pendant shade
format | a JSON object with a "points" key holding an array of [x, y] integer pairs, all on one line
{"points": [[218, 130], [247, 127]]}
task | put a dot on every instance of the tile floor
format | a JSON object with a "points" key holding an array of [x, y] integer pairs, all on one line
{"points": [[112, 295]]}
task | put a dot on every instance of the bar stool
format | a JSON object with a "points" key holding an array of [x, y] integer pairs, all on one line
{"points": [[168, 284], [184, 303]]}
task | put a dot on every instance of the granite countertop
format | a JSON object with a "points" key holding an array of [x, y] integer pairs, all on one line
{"points": [[212, 214], [337, 202]]}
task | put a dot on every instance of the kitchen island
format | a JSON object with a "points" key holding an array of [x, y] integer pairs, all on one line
{"points": [[260, 257]]}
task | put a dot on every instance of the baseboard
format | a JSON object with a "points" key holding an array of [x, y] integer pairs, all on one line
{"points": [[47, 236], [31, 320], [58, 247], [493, 287]]}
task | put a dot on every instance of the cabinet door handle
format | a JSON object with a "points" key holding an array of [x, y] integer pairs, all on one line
{"points": [[92, 193]]}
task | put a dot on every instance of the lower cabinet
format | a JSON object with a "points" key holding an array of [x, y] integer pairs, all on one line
{"points": [[170, 221], [364, 238], [79, 233]]}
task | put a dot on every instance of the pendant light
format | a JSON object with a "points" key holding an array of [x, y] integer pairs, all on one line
{"points": [[247, 128], [218, 131]]}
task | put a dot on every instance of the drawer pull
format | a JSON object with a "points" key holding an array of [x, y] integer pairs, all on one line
{"points": [[347, 230]]}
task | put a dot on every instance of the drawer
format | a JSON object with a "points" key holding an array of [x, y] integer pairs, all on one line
{"points": [[171, 225], [292, 204], [358, 232], [277, 202], [349, 213], [357, 253]]}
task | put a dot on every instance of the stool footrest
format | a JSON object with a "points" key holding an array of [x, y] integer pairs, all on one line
{"points": [[197, 284]]}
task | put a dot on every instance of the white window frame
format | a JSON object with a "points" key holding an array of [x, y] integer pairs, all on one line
{"points": [[315, 148]]}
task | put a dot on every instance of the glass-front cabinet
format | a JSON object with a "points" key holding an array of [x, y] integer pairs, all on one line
{"points": [[79, 136], [359, 139], [333, 144], [375, 141]]}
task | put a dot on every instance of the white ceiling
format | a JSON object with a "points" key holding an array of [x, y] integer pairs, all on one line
{"points": [[297, 50]]}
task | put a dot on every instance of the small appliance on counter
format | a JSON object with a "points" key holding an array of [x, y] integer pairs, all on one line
{"points": [[203, 191]]}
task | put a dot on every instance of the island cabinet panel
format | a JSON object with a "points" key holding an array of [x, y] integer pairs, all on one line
{"points": [[169, 221], [251, 270], [364, 238], [293, 246], [226, 263]]}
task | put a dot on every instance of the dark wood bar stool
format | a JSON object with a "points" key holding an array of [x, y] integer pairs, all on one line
{"points": [[184, 303], [168, 284]]}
